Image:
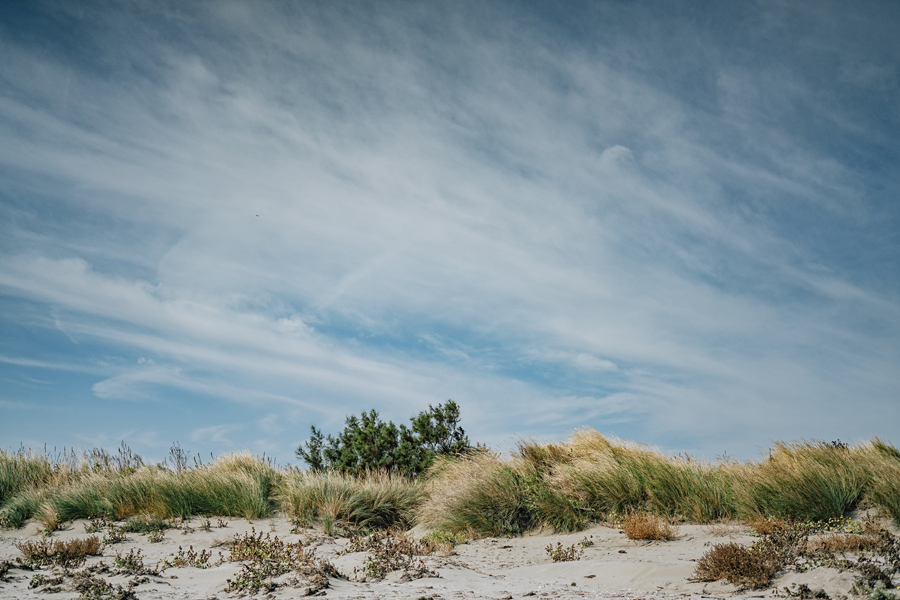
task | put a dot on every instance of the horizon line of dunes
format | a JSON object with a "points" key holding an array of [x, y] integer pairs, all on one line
{"points": [[563, 486]]}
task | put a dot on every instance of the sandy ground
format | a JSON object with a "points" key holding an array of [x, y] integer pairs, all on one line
{"points": [[494, 568]]}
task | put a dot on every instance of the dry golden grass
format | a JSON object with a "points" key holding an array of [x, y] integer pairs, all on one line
{"points": [[562, 486], [475, 495], [725, 528], [609, 476], [645, 526], [371, 500], [738, 565], [842, 542], [769, 526]]}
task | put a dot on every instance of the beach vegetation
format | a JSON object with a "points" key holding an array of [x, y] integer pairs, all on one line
{"points": [[366, 501], [392, 550], [801, 546], [265, 558], [69, 553], [560, 553], [464, 493], [646, 526], [737, 564], [367, 443]]}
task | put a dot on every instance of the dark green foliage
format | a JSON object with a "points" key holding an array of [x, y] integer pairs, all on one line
{"points": [[368, 443], [144, 525]]}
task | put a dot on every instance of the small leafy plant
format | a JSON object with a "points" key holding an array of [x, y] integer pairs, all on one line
{"points": [[96, 524], [49, 584], [114, 535], [131, 563], [91, 587], [154, 537], [563, 554], [190, 558], [394, 551], [265, 558]]}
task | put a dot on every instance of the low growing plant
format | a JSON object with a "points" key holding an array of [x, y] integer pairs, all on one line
{"points": [[144, 525], [114, 535], [70, 553], [42, 583], [154, 537], [644, 526], [190, 558], [266, 557], [393, 551], [91, 587], [738, 565], [562, 554], [131, 563], [444, 541], [804, 546]]}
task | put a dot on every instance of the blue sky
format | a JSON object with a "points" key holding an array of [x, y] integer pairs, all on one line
{"points": [[223, 222]]}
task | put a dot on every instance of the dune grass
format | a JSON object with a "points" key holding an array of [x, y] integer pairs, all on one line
{"points": [[23, 470], [477, 494], [804, 481], [231, 486], [592, 478], [883, 490], [561, 486], [370, 501]]}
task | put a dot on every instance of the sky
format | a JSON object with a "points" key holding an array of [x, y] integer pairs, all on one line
{"points": [[674, 222]]}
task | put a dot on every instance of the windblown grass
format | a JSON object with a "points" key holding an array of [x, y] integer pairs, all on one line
{"points": [[23, 470], [591, 478], [884, 489], [611, 478], [232, 486], [477, 495], [20, 507], [371, 501], [804, 481], [561, 486]]}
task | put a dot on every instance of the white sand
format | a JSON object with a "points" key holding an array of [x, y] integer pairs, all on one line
{"points": [[493, 568]]}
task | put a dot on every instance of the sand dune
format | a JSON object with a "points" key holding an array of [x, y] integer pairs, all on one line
{"points": [[613, 566]]}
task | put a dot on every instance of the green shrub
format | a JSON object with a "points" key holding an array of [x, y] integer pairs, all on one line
{"points": [[367, 443]]}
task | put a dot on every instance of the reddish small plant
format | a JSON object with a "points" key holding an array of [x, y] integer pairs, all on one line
{"points": [[67, 554], [738, 565]]}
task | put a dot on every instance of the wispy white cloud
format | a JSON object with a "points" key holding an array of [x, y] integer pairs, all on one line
{"points": [[532, 225]]}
